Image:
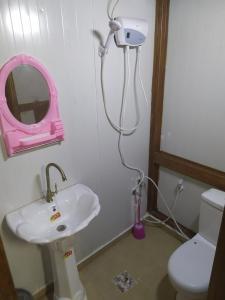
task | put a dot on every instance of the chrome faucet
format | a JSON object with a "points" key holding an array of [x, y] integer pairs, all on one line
{"points": [[50, 194]]}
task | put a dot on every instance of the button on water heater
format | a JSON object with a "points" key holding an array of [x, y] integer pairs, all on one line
{"points": [[128, 35]]}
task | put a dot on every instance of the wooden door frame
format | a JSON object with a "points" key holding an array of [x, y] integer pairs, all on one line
{"points": [[7, 289], [178, 164], [217, 286]]}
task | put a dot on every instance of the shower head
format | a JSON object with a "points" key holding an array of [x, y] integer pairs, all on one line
{"points": [[114, 25]]}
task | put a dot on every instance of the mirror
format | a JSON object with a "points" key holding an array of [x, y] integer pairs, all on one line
{"points": [[27, 94], [29, 113]]}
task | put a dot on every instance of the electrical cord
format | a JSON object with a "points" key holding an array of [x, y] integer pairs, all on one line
{"points": [[122, 132], [137, 77], [129, 131], [110, 14], [118, 128], [122, 113], [172, 209], [177, 196], [168, 209]]}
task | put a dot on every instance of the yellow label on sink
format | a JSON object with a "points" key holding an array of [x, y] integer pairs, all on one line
{"points": [[68, 254], [55, 216]]}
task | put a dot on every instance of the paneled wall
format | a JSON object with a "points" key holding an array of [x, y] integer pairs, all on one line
{"points": [[194, 106], [65, 36], [187, 206]]}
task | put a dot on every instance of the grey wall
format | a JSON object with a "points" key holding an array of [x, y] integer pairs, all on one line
{"points": [[188, 204], [30, 85], [194, 106], [60, 34]]}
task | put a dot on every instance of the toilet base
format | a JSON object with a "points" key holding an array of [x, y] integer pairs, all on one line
{"points": [[184, 297]]}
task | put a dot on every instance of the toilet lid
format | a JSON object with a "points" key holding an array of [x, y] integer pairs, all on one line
{"points": [[190, 265]]}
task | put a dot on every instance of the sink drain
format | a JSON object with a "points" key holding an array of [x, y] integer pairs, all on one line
{"points": [[61, 227]]}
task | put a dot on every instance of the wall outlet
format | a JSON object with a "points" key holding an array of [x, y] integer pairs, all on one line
{"points": [[180, 185]]}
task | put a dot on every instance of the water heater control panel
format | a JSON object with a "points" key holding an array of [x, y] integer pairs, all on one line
{"points": [[133, 32]]}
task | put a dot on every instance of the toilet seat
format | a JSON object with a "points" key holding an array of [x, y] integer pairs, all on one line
{"points": [[190, 266]]}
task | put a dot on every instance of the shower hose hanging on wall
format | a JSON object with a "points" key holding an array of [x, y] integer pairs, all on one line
{"points": [[130, 32]]}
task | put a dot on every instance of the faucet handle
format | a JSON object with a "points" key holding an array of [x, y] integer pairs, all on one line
{"points": [[56, 189]]}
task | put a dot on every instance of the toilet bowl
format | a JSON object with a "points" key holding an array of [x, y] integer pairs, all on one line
{"points": [[190, 266]]}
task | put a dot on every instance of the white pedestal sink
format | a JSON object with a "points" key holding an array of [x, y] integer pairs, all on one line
{"points": [[55, 224]]}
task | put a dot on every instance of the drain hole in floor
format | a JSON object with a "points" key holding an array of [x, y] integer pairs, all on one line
{"points": [[124, 281], [61, 227]]}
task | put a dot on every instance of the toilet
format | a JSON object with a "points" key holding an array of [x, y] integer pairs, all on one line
{"points": [[190, 266]]}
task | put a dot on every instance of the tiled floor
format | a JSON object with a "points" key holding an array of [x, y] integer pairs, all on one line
{"points": [[145, 260]]}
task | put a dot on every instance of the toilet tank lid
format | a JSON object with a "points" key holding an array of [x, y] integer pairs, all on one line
{"points": [[215, 197]]}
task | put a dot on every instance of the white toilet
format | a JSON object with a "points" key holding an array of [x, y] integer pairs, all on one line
{"points": [[190, 266]]}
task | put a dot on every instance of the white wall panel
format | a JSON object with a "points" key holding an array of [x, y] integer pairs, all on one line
{"points": [[187, 208], [60, 34], [194, 106]]}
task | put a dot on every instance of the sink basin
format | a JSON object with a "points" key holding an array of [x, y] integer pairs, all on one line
{"points": [[55, 224], [41, 222]]}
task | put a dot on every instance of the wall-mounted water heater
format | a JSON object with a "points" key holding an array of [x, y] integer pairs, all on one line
{"points": [[132, 32]]}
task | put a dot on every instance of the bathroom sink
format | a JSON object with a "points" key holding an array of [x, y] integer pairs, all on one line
{"points": [[42, 223]]}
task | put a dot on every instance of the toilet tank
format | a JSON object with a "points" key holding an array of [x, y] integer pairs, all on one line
{"points": [[211, 212]]}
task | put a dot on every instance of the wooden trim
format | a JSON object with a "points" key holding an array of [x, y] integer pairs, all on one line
{"points": [[33, 105], [192, 169], [217, 286], [39, 108], [11, 97], [161, 33], [7, 290]]}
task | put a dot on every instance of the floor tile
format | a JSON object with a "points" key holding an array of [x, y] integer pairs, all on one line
{"points": [[145, 260]]}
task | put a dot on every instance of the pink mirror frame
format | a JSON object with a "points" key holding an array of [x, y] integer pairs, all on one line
{"points": [[18, 136]]}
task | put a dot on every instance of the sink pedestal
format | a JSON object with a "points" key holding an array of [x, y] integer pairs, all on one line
{"points": [[67, 284], [55, 224]]}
